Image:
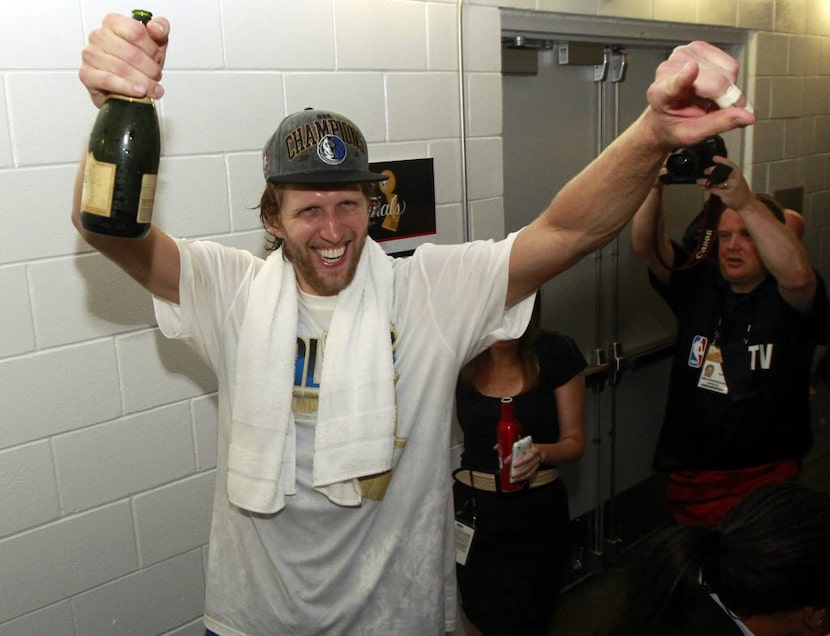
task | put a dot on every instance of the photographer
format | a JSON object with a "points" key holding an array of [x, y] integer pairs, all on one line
{"points": [[755, 314]]}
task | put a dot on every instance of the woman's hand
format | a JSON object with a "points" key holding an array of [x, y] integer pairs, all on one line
{"points": [[528, 464]]}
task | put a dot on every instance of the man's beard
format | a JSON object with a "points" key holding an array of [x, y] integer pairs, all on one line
{"points": [[321, 286]]}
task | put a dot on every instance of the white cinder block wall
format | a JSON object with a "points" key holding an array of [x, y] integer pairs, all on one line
{"points": [[107, 431]]}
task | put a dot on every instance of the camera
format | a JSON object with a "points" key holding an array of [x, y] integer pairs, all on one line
{"points": [[687, 165]]}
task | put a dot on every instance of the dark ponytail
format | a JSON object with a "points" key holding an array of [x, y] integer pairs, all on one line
{"points": [[771, 554], [776, 551], [666, 577]]}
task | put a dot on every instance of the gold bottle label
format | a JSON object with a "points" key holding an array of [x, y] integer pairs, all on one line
{"points": [[99, 183], [146, 198]]}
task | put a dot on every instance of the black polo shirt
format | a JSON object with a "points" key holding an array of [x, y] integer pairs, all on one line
{"points": [[767, 349]]}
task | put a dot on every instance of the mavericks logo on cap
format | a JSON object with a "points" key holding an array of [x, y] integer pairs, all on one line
{"points": [[331, 150], [329, 136]]}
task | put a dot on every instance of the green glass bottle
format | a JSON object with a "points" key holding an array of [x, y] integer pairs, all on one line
{"points": [[122, 165]]}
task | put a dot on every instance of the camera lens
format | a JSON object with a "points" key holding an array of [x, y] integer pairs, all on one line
{"points": [[681, 164]]}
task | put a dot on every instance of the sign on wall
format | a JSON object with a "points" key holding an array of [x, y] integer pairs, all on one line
{"points": [[405, 215]]}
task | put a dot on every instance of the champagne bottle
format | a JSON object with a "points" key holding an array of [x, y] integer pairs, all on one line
{"points": [[508, 432], [122, 165]]}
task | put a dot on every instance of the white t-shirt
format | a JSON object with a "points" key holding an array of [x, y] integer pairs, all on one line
{"points": [[386, 566]]}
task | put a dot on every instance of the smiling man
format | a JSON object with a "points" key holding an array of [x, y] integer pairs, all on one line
{"points": [[322, 233], [738, 411], [337, 364], [317, 194]]}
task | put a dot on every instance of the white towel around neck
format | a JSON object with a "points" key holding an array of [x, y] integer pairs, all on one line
{"points": [[356, 414]]}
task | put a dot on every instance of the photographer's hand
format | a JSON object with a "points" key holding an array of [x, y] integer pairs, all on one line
{"points": [[781, 252], [734, 191]]}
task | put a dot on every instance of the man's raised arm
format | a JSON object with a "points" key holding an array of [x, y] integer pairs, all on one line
{"points": [[596, 204]]}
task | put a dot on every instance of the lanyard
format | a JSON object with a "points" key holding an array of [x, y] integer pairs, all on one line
{"points": [[731, 312], [718, 332], [472, 499]]}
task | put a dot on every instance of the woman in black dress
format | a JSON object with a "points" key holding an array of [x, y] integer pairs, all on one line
{"points": [[512, 573]]}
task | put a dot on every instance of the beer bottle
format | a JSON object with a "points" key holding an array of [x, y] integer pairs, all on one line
{"points": [[122, 165]]}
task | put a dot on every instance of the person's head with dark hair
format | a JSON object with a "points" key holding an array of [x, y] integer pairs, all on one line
{"points": [[768, 566], [774, 555], [524, 347]]}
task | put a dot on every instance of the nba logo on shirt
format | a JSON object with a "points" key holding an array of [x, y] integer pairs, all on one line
{"points": [[697, 351]]}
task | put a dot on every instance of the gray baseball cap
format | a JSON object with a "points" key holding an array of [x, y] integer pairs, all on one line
{"points": [[317, 146]]}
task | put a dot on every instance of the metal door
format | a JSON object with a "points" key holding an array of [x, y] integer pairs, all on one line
{"points": [[562, 104]]}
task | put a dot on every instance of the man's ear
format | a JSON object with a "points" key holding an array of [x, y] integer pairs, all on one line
{"points": [[274, 227]]}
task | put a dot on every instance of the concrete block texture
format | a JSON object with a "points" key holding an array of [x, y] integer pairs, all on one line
{"points": [[108, 430]]}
